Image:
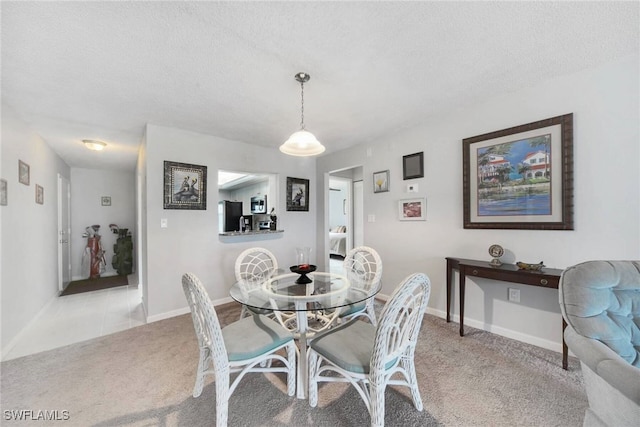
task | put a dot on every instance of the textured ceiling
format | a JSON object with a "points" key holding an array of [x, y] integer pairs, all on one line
{"points": [[102, 70]]}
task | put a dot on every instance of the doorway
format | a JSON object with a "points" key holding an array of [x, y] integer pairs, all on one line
{"points": [[345, 214], [64, 232]]}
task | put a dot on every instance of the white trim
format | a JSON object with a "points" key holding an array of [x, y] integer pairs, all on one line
{"points": [[499, 330], [184, 310]]}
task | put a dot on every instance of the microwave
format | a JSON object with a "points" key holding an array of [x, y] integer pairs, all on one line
{"points": [[259, 205]]}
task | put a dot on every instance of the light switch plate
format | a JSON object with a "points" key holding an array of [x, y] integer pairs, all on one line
{"points": [[163, 223], [371, 218]]}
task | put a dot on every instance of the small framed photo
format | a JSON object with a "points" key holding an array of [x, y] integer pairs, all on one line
{"points": [[381, 181], [3, 192], [297, 194], [413, 166], [39, 195], [23, 172], [106, 200], [412, 209], [185, 186]]}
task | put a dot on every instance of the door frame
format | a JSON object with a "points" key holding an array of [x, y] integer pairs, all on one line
{"points": [[64, 231]]}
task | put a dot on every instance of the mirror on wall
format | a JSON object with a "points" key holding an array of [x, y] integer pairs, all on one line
{"points": [[245, 200]]}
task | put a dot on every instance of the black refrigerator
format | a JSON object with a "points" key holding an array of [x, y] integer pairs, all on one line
{"points": [[229, 214]]}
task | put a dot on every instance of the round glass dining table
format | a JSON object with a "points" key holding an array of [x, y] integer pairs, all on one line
{"points": [[303, 308]]}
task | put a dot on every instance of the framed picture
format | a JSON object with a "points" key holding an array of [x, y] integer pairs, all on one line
{"points": [[3, 192], [105, 200], [39, 195], [381, 181], [412, 209], [413, 166], [185, 186], [23, 172], [297, 194], [521, 177]]}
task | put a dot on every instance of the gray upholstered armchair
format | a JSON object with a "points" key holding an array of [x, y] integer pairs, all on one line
{"points": [[600, 300]]}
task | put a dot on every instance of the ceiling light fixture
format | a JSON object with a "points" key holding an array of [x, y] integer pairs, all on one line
{"points": [[302, 143], [93, 144]]}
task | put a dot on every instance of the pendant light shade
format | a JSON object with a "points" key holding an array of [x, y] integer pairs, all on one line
{"points": [[302, 143]]}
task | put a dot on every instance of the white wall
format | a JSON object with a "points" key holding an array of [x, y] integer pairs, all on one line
{"points": [[604, 101], [191, 243], [87, 187], [29, 262]]}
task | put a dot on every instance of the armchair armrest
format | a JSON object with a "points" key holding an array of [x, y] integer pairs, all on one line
{"points": [[616, 371]]}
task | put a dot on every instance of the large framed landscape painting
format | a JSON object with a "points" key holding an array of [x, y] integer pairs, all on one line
{"points": [[521, 177]]}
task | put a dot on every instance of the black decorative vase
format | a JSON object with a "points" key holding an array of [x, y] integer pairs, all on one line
{"points": [[303, 271]]}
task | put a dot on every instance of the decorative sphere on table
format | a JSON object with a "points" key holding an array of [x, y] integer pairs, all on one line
{"points": [[496, 251]]}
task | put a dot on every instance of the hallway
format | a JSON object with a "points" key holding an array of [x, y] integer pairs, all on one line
{"points": [[79, 317]]}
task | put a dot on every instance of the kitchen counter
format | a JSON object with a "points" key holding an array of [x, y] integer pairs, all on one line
{"points": [[249, 233]]}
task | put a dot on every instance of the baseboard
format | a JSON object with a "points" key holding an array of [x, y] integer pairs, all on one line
{"points": [[499, 330], [11, 344], [184, 310]]}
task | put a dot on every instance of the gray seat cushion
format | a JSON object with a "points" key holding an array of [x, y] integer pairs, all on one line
{"points": [[349, 346], [253, 336]]}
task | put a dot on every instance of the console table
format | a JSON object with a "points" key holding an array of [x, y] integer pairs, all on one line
{"points": [[547, 278]]}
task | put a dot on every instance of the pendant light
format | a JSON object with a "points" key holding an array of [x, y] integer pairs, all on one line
{"points": [[302, 143], [94, 145]]}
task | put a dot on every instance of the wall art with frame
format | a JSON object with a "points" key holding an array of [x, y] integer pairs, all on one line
{"points": [[39, 195], [185, 186], [297, 194], [4, 189], [520, 177], [413, 166], [24, 173], [381, 181], [412, 209]]}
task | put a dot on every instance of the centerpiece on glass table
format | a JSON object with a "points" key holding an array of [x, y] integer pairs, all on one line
{"points": [[302, 266]]}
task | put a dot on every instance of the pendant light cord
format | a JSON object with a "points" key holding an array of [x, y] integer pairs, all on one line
{"points": [[302, 106]]}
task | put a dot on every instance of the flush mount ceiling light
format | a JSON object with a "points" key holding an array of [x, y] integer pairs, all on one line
{"points": [[302, 143], [93, 144]]}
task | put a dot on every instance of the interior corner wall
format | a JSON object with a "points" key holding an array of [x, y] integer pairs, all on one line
{"points": [[87, 188], [29, 262], [604, 101], [190, 242]]}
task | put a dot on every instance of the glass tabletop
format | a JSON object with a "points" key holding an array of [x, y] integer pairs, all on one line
{"points": [[281, 292]]}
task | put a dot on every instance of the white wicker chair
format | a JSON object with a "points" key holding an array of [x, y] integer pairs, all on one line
{"points": [[368, 356], [363, 267], [254, 266], [240, 347]]}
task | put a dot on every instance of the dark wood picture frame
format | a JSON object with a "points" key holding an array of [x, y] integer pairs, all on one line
{"points": [[185, 186], [413, 166], [297, 194], [520, 177]]}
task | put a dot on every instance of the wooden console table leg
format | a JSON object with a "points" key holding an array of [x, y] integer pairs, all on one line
{"points": [[565, 349], [449, 286], [462, 288]]}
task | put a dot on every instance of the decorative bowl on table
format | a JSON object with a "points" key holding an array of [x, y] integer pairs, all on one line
{"points": [[303, 270], [530, 267]]}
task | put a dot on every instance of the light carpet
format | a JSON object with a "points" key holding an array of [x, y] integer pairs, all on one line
{"points": [[144, 377]]}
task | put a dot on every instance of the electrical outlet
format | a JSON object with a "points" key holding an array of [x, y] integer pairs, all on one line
{"points": [[514, 295]]}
